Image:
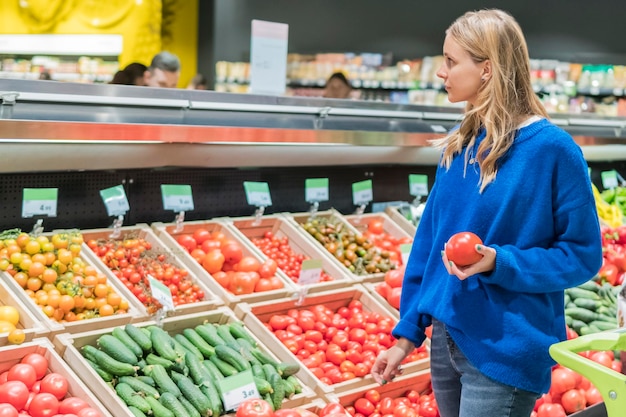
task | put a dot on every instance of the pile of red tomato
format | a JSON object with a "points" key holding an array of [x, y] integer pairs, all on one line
{"points": [[29, 389], [376, 234], [287, 260], [391, 287], [223, 258], [613, 267], [132, 259], [339, 345], [571, 392]]}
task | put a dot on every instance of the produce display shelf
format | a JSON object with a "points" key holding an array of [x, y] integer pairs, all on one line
{"points": [[256, 315], [371, 289], [29, 323], [167, 233], [135, 310], [11, 355], [248, 228], [144, 231], [302, 218], [69, 346]]}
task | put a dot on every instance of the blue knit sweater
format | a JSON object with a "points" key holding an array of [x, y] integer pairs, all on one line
{"points": [[539, 215]]}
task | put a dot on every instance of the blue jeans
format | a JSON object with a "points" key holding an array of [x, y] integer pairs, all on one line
{"points": [[461, 390]]}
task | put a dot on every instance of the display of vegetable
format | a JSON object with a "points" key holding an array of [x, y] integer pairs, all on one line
{"points": [[591, 307]]}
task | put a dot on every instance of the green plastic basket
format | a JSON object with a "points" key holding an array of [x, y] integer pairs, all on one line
{"points": [[611, 384]]}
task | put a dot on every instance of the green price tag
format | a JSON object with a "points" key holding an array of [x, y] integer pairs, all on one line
{"points": [[418, 185], [316, 189], [115, 200], [311, 272], [177, 197], [609, 179], [237, 388], [405, 251], [257, 193], [161, 293], [39, 201], [362, 192]]}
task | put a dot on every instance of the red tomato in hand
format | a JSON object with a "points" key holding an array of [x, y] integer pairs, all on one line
{"points": [[461, 248], [254, 407]]}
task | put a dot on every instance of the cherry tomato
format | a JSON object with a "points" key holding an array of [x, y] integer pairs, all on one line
{"points": [[461, 248]]}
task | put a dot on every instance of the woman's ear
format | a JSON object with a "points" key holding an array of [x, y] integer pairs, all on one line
{"points": [[486, 72]]}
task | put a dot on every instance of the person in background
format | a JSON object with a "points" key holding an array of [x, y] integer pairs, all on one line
{"points": [[132, 74], [45, 75], [164, 71], [337, 86], [198, 82], [518, 181]]}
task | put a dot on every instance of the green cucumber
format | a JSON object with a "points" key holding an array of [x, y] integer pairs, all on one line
{"points": [[206, 349], [296, 384], [139, 386], [128, 341], [209, 333], [576, 292], [582, 314], [139, 336], [116, 349], [191, 410], [586, 303], [172, 403], [153, 359], [278, 395], [211, 392], [109, 364], [158, 409], [263, 357], [163, 380], [286, 369], [239, 331], [245, 351], [289, 388], [162, 343], [137, 412], [589, 286], [195, 396], [131, 397], [223, 330], [146, 380], [225, 368], [262, 385], [189, 346], [604, 325], [212, 369], [106, 376], [197, 371], [257, 370], [230, 355]]}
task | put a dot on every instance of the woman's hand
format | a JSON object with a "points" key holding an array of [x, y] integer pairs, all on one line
{"points": [[486, 263], [387, 364]]}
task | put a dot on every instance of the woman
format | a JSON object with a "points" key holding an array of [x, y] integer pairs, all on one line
{"points": [[521, 184], [337, 86]]}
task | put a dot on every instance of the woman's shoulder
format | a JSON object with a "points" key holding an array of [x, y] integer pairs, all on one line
{"points": [[545, 133]]}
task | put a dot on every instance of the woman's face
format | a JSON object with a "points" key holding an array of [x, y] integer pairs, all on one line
{"points": [[461, 75]]}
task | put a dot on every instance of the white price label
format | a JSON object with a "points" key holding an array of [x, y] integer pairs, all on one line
{"points": [[418, 185], [609, 179], [177, 197], [316, 189], [257, 193], [405, 251], [115, 200], [39, 201], [311, 272], [362, 192], [161, 293], [236, 389]]}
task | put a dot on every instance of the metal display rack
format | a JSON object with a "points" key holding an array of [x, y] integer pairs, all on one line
{"points": [[83, 138]]}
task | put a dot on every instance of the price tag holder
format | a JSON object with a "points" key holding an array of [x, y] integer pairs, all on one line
{"points": [[161, 293], [362, 192], [418, 185], [405, 251], [609, 179], [316, 189], [177, 197], [115, 200], [236, 389], [257, 193], [311, 272], [39, 201]]}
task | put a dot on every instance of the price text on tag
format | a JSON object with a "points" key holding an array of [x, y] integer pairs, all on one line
{"points": [[39, 201], [115, 200], [316, 189], [161, 293], [237, 388], [311, 272], [405, 251], [609, 179], [418, 185], [257, 193], [362, 192], [177, 197]]}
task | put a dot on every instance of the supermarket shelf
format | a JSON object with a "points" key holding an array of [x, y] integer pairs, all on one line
{"points": [[112, 127]]}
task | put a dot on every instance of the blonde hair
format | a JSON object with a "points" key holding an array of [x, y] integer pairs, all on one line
{"points": [[504, 100]]}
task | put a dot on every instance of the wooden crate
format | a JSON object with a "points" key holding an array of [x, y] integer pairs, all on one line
{"points": [[31, 325], [255, 315], [136, 312], [210, 301], [11, 355], [371, 289], [69, 345], [404, 223], [360, 222], [167, 233], [247, 228]]}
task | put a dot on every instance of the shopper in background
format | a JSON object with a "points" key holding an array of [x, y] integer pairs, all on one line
{"points": [[198, 82], [164, 71], [132, 74], [520, 183], [337, 86]]}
